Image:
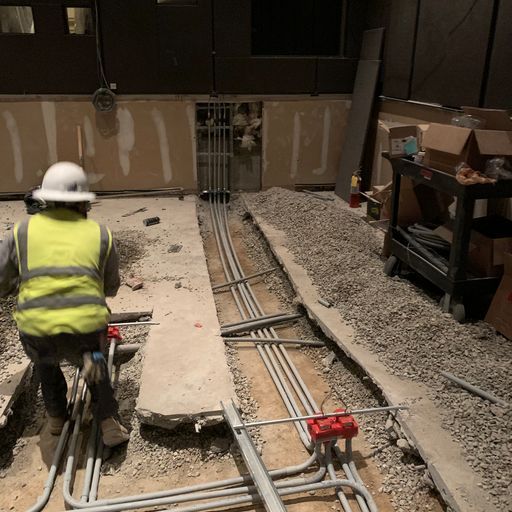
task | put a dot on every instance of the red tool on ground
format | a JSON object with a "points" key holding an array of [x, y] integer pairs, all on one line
{"points": [[326, 429], [113, 333]]}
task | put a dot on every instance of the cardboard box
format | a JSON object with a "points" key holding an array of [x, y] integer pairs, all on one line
{"points": [[402, 140], [390, 133], [446, 145], [500, 311], [409, 210], [373, 206], [491, 238]]}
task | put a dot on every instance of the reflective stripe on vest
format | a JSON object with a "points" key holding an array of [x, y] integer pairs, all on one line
{"points": [[51, 302], [26, 274]]}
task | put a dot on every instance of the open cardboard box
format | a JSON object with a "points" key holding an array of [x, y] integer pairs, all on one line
{"points": [[391, 137], [446, 145], [500, 311]]}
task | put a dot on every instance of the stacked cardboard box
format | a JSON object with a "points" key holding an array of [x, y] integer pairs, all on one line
{"points": [[446, 145]]}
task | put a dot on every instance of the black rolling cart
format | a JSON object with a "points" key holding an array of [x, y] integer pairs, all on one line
{"points": [[453, 277]]}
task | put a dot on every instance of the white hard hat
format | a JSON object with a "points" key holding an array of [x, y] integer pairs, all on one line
{"points": [[64, 182]]}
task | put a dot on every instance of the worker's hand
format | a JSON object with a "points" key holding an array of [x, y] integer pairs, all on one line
{"points": [[94, 367]]}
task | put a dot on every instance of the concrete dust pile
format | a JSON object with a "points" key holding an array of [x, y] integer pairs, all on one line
{"points": [[404, 327], [131, 248]]}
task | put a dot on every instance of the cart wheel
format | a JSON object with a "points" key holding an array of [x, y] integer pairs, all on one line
{"points": [[459, 312], [444, 303], [391, 266]]}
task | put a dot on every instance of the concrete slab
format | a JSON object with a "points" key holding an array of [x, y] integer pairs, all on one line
{"points": [[185, 374], [455, 480], [11, 388]]}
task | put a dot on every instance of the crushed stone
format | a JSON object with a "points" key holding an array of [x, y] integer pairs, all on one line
{"points": [[405, 327], [11, 351]]}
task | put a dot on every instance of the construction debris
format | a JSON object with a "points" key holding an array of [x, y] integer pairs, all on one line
{"points": [[151, 221], [134, 282], [139, 210], [174, 248]]}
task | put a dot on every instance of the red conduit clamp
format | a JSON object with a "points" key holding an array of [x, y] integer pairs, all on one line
{"points": [[113, 333], [327, 429]]}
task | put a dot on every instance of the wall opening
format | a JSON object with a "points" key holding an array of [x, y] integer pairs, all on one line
{"points": [[229, 141], [16, 20], [80, 20]]}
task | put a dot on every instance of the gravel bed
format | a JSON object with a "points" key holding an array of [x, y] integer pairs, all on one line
{"points": [[11, 351], [405, 328]]}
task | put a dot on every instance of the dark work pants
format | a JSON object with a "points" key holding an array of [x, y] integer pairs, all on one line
{"points": [[47, 352]]}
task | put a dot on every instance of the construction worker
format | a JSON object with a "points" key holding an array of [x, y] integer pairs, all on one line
{"points": [[63, 265]]}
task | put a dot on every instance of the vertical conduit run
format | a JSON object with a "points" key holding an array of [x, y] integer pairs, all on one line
{"points": [[275, 358]]}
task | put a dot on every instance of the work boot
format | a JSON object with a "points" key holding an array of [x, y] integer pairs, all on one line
{"points": [[56, 424], [113, 432]]}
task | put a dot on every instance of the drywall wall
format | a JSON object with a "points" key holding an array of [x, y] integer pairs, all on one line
{"points": [[147, 144], [302, 141], [140, 145]]}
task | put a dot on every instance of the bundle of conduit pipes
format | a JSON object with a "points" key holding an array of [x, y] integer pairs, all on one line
{"points": [[284, 373]]}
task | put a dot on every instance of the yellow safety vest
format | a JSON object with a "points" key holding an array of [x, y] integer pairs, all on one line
{"points": [[61, 259]]}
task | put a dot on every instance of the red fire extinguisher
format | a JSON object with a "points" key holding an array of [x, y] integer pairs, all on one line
{"points": [[355, 199]]}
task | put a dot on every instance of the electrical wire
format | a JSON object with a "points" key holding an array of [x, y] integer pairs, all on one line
{"points": [[99, 56]]}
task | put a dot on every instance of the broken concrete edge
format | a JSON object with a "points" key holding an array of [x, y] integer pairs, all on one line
{"points": [[453, 497], [170, 422], [21, 373]]}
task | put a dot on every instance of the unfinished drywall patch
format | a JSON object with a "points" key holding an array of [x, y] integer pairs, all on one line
{"points": [[191, 116], [12, 128], [302, 141], [50, 128], [325, 142], [125, 138], [161, 131], [90, 149], [295, 146]]}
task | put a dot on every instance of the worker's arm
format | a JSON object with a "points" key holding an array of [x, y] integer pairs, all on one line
{"points": [[9, 274], [111, 279]]}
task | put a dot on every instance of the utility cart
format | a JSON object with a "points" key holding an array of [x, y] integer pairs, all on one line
{"points": [[451, 277]]}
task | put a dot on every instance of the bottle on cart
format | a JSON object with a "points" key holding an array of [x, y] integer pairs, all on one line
{"points": [[355, 198]]}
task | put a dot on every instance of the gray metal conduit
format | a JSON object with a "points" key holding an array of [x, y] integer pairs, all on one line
{"points": [[245, 479], [355, 473], [306, 441], [93, 493], [254, 498], [190, 495], [91, 457], [332, 475], [59, 450], [292, 367], [254, 311], [81, 504], [346, 462]]}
